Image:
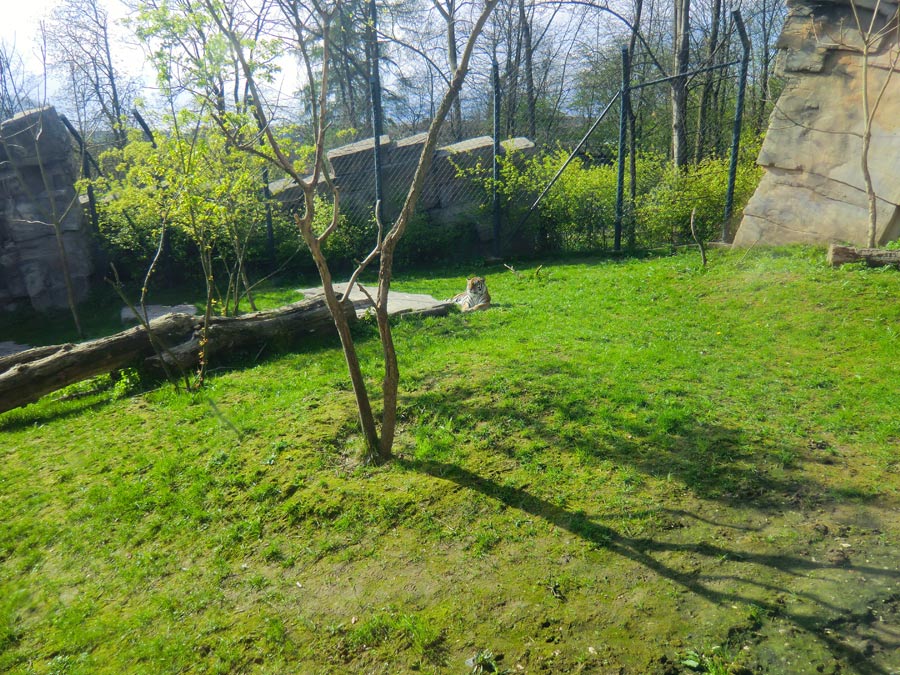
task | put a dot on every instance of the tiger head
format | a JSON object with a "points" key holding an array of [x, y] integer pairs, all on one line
{"points": [[476, 286]]}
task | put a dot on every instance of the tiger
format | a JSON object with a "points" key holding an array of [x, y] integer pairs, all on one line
{"points": [[476, 296]]}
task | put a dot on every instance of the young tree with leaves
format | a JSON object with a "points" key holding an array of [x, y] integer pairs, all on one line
{"points": [[309, 35], [878, 30]]}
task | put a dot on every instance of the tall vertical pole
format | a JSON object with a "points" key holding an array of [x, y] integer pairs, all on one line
{"points": [[623, 126], [270, 231], [377, 120], [495, 72], [738, 120], [85, 171], [266, 193]]}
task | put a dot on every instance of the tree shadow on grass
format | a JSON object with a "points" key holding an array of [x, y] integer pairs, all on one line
{"points": [[712, 461], [44, 413], [647, 552]]}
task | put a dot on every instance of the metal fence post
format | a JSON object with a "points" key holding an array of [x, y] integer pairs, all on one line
{"points": [[495, 73], [86, 160], [377, 121], [270, 231], [738, 120], [623, 126]]}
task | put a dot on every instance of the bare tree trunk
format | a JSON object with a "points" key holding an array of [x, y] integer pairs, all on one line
{"points": [[632, 119], [118, 121], [511, 79], [706, 95], [679, 85], [449, 15], [67, 276], [871, 199], [54, 216], [871, 36], [529, 70], [391, 381], [766, 28], [363, 405], [377, 449]]}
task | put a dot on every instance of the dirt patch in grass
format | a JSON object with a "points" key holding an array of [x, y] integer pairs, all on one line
{"points": [[780, 590]]}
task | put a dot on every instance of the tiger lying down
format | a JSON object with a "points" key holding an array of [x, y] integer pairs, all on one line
{"points": [[476, 296]]}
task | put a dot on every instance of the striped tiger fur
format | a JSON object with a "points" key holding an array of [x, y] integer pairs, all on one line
{"points": [[475, 297]]}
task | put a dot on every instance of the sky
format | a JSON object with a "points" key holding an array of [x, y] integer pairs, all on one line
{"points": [[20, 19], [19, 26]]}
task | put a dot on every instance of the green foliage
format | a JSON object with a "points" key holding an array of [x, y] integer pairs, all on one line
{"points": [[427, 241], [389, 624], [204, 192], [663, 214], [291, 253], [578, 212], [485, 662], [127, 381], [715, 661]]}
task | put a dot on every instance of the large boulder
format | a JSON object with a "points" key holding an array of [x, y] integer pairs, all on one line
{"points": [[40, 215], [813, 189]]}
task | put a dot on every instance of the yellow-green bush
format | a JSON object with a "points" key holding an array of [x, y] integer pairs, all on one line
{"points": [[578, 212]]}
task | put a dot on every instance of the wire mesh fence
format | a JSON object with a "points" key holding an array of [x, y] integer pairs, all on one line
{"points": [[619, 187]]}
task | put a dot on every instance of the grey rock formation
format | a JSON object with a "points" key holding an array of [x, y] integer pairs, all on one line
{"points": [[37, 175], [398, 302], [813, 189]]}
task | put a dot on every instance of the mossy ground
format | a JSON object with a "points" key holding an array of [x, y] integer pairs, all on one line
{"points": [[635, 466]]}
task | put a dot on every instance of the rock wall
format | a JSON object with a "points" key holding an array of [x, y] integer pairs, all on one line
{"points": [[447, 197], [37, 175], [813, 189]]}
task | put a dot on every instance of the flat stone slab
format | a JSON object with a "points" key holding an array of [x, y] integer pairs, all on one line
{"points": [[8, 347], [156, 311], [398, 303]]}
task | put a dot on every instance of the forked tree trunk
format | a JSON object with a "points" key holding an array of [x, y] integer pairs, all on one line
{"points": [[871, 200], [378, 449]]}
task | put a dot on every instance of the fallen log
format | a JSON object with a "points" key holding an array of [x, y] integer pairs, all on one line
{"points": [[36, 372], [27, 381], [227, 334], [873, 257], [28, 355]]}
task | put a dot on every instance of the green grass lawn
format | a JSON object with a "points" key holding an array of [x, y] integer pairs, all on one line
{"points": [[635, 466]]}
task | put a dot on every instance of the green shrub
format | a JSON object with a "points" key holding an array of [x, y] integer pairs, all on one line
{"points": [[427, 241], [578, 212], [663, 214]]}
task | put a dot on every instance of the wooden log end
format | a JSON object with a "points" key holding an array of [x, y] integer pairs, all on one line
{"points": [[873, 257]]}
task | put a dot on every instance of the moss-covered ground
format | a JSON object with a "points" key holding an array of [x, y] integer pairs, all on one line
{"points": [[635, 466]]}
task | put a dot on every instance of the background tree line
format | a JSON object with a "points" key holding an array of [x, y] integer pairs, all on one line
{"points": [[559, 65]]}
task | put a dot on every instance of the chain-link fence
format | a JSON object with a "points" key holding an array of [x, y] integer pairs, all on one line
{"points": [[614, 187], [589, 170]]}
